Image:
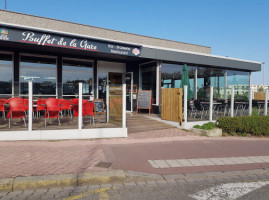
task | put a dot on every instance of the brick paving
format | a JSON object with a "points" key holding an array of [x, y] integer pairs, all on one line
{"points": [[30, 158]]}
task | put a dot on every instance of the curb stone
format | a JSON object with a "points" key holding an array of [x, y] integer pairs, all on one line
{"points": [[112, 177]]}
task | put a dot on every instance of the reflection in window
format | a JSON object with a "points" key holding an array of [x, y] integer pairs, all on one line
{"points": [[172, 75], [240, 81], [40, 70], [6, 73], [207, 77], [148, 72], [75, 72], [102, 83]]}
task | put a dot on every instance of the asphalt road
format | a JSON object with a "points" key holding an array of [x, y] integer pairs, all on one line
{"points": [[232, 188]]}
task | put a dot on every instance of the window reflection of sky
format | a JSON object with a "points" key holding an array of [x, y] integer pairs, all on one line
{"points": [[72, 74]]}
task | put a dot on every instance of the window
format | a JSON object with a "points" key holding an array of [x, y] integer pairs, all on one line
{"points": [[236, 78], [207, 77], [40, 70], [172, 75], [6, 73], [148, 72], [75, 71]]}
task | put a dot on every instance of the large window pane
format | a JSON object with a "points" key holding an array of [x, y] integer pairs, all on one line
{"points": [[172, 75], [75, 72], [40, 70], [240, 81], [6, 73], [208, 77], [149, 79]]}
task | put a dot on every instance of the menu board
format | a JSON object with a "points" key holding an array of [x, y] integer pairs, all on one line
{"points": [[144, 99], [98, 105]]}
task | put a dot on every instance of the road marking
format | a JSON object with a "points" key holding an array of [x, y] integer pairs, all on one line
{"points": [[173, 163], [102, 194], [161, 164], [228, 191], [152, 163], [195, 162], [208, 161], [184, 163]]}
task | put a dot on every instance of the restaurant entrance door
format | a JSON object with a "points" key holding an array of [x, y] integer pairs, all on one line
{"points": [[116, 79]]}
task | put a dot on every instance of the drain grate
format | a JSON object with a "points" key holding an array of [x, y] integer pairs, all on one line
{"points": [[103, 164]]}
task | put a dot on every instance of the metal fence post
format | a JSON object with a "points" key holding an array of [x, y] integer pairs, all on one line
{"points": [[185, 105], [80, 107], [107, 103], [124, 104], [232, 102], [211, 104], [250, 102], [30, 106], [266, 102]]}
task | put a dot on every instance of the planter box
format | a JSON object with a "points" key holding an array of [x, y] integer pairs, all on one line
{"points": [[216, 132]]}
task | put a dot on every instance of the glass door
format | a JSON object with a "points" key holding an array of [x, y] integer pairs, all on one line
{"points": [[115, 98], [129, 91]]}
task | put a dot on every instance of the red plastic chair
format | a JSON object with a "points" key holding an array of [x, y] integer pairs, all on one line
{"points": [[16, 109], [65, 105], [26, 104], [87, 108], [2, 107], [40, 106], [52, 109]]}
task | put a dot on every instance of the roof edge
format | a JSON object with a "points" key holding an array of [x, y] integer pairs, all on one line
{"points": [[104, 28]]}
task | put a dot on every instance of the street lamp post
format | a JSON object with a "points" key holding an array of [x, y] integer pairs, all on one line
{"points": [[263, 74]]}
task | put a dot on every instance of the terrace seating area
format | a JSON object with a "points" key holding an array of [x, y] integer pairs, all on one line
{"points": [[50, 113], [199, 110]]}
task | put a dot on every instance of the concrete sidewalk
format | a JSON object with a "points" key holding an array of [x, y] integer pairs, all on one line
{"points": [[33, 158], [70, 159]]}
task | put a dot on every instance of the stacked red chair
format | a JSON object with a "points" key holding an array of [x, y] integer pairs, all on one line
{"points": [[16, 109], [40, 106], [65, 105], [2, 107], [52, 109]]}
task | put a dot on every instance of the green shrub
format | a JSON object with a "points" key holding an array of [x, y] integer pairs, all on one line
{"points": [[254, 125], [207, 126], [255, 112]]}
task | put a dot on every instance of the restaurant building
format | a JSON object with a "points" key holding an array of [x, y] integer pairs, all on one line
{"points": [[56, 55]]}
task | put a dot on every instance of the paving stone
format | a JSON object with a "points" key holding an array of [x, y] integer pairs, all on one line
{"points": [[256, 159], [106, 185], [173, 163], [184, 163], [161, 182], [171, 182], [195, 162], [161, 164], [151, 183], [94, 187], [153, 164], [216, 161], [246, 160], [141, 183], [206, 161], [227, 161], [236, 160], [265, 158], [129, 184], [181, 181]]}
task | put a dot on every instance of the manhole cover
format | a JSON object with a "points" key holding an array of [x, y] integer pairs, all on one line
{"points": [[103, 164]]}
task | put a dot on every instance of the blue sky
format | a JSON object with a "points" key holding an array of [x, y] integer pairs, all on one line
{"points": [[234, 28]]}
